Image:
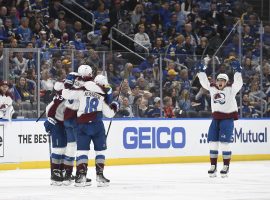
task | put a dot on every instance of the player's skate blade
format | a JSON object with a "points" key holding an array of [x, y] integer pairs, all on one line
{"points": [[82, 181], [212, 172], [56, 183], [102, 181], [56, 177], [224, 172]]}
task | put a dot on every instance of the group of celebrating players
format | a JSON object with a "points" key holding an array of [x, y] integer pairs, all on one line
{"points": [[74, 119]]}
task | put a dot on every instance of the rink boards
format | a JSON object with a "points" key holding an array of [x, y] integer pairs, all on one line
{"points": [[24, 144]]}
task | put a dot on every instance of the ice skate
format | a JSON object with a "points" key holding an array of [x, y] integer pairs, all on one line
{"points": [[68, 179], [82, 181], [56, 178], [212, 172], [225, 171], [102, 181]]}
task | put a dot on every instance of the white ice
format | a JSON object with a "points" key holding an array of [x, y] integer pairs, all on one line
{"points": [[247, 181]]}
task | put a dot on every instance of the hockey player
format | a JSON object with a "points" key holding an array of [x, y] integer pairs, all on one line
{"points": [[92, 106], [224, 112], [6, 108], [54, 125], [73, 81], [102, 81]]}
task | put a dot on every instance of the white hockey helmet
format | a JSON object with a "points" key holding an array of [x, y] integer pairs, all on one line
{"points": [[101, 80], [223, 76], [85, 71]]}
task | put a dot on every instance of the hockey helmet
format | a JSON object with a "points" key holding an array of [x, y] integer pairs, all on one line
{"points": [[101, 80], [224, 77], [85, 71]]}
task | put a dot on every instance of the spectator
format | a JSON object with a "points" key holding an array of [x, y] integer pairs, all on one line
{"points": [[181, 15], [125, 109], [137, 13], [23, 31], [168, 108], [20, 63], [101, 15], [164, 13], [184, 101], [25, 90], [13, 14], [155, 111], [158, 48], [184, 81], [248, 110], [116, 13], [147, 64], [142, 38]]}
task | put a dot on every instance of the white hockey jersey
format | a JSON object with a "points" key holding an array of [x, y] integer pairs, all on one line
{"points": [[223, 102], [91, 102], [6, 108], [56, 108]]}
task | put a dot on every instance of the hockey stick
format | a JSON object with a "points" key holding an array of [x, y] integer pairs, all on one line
{"points": [[50, 152], [41, 116], [117, 98]]}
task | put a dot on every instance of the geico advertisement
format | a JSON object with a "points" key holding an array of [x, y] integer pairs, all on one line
{"points": [[28, 141], [156, 138]]}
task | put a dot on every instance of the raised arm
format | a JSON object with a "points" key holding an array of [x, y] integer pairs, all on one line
{"points": [[202, 75], [238, 81]]}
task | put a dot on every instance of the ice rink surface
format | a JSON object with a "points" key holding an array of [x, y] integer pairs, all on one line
{"points": [[247, 181]]}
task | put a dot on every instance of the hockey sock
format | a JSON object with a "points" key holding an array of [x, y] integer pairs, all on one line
{"points": [[57, 155], [213, 157], [226, 157], [100, 160], [81, 162], [226, 152]]}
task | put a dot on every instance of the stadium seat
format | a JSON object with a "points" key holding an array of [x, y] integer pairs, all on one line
{"points": [[26, 105], [204, 113], [16, 106], [192, 114]]}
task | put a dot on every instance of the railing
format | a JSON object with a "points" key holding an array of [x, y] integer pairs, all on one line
{"points": [[67, 9], [129, 38], [89, 12]]}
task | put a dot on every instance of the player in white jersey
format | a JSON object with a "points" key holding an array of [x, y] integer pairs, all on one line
{"points": [[224, 112], [73, 81], [6, 108], [91, 128], [54, 125]]}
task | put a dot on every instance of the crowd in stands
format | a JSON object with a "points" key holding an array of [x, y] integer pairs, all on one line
{"points": [[171, 35]]}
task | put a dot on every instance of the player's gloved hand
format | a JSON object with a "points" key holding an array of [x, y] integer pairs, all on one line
{"points": [[49, 124], [69, 80], [201, 67], [236, 66], [115, 106], [107, 89]]}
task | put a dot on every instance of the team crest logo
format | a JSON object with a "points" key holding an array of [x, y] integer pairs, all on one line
{"points": [[219, 98]]}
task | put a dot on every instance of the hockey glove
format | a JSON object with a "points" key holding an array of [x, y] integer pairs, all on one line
{"points": [[69, 81], [115, 106], [49, 124], [236, 66], [201, 67]]}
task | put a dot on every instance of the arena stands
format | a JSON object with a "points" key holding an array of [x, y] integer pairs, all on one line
{"points": [[42, 41]]}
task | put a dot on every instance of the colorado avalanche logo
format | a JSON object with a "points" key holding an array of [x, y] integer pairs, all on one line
{"points": [[219, 98]]}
